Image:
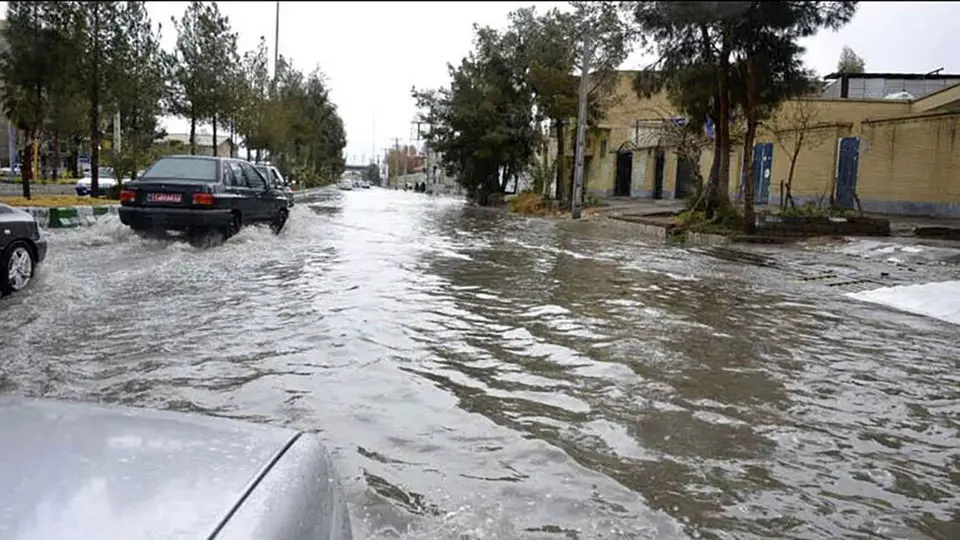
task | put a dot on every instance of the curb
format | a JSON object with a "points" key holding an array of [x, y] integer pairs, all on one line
{"points": [[68, 217], [306, 193]]}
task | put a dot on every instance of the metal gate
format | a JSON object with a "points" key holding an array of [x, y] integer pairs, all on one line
{"points": [[624, 170], [848, 158], [762, 171]]}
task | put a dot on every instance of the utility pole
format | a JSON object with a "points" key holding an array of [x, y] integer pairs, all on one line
{"points": [[576, 203], [416, 147], [406, 156], [276, 44], [396, 156]]}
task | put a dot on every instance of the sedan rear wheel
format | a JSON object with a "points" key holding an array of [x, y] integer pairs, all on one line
{"points": [[205, 238], [234, 227], [278, 222], [16, 267]]}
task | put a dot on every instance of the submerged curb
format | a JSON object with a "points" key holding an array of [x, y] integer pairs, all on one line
{"points": [[68, 217], [306, 193]]}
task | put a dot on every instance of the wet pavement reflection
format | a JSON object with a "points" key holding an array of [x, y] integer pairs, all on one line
{"points": [[485, 375]]}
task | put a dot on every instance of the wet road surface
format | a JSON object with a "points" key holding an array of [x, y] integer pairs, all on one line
{"points": [[478, 375]]}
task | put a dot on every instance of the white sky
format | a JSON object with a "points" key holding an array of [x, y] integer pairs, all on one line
{"points": [[373, 53]]}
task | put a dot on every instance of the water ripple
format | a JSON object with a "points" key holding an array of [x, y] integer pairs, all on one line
{"points": [[481, 376]]}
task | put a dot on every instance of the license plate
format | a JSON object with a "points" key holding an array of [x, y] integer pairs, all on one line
{"points": [[164, 197]]}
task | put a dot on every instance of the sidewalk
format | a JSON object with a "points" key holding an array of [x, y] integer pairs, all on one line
{"points": [[925, 230], [922, 226], [627, 206]]}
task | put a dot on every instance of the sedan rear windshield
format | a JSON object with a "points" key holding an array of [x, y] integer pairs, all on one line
{"points": [[204, 170]]}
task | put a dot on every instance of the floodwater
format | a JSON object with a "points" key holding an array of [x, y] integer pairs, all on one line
{"points": [[478, 375]]}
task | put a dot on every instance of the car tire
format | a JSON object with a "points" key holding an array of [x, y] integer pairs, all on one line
{"points": [[17, 266], [234, 227], [279, 221], [150, 234], [205, 238]]}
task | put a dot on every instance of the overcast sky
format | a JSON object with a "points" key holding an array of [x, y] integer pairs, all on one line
{"points": [[373, 53]]}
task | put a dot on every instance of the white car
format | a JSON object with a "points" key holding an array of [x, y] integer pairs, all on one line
{"points": [[107, 181]]}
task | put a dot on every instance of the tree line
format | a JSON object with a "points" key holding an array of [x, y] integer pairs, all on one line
{"points": [[723, 64], [71, 68]]}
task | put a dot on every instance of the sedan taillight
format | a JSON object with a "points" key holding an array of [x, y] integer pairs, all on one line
{"points": [[203, 199], [127, 196]]}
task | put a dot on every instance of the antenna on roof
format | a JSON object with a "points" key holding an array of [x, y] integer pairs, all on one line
{"points": [[935, 72]]}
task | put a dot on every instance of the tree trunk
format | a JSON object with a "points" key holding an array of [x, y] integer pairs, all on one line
{"points": [[95, 106], [712, 194], [193, 131], [75, 157], [723, 125], [258, 157], [26, 167], [749, 181], [56, 156], [248, 149], [214, 143], [715, 165], [793, 166], [558, 189]]}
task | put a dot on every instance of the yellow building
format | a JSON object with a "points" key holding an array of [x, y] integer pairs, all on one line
{"points": [[897, 156]]}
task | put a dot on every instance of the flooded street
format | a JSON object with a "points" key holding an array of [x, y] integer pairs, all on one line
{"points": [[485, 375]]}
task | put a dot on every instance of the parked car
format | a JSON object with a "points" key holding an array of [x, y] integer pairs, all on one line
{"points": [[9, 173], [199, 195], [106, 182], [272, 174], [22, 248], [73, 470]]}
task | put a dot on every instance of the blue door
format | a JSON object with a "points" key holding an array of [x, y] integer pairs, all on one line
{"points": [[762, 170], [848, 159]]}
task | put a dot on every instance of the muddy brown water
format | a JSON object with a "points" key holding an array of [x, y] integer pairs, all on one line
{"points": [[478, 375]]}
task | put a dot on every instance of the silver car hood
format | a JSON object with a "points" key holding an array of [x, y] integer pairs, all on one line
{"points": [[10, 213], [78, 471]]}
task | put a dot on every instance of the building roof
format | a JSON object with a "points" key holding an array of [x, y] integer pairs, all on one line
{"points": [[201, 139], [932, 76]]}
